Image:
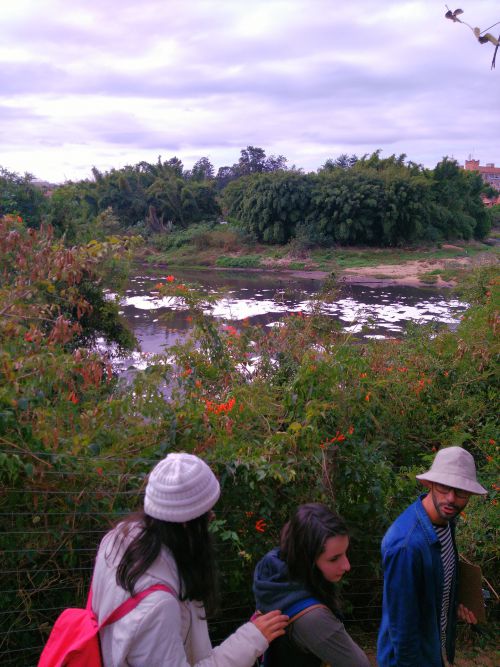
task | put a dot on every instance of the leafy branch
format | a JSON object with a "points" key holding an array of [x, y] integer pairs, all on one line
{"points": [[483, 36]]}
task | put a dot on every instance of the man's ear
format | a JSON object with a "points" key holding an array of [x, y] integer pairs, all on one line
{"points": [[425, 482]]}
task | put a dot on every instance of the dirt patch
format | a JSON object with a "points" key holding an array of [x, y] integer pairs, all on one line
{"points": [[407, 273]]}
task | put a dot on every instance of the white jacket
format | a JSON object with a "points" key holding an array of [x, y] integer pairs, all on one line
{"points": [[162, 631]]}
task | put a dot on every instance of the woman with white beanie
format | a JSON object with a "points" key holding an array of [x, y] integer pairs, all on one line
{"points": [[168, 543]]}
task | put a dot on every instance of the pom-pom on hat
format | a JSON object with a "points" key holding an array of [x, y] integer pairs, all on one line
{"points": [[180, 488], [455, 467]]}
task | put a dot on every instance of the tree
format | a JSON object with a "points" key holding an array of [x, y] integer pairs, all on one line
{"points": [[225, 175], [269, 206], [20, 196], [252, 161], [275, 163], [203, 170], [343, 161]]}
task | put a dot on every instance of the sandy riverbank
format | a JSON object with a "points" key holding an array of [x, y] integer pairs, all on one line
{"points": [[406, 273]]}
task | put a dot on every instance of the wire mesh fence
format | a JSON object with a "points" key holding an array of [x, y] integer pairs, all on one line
{"points": [[52, 522]]}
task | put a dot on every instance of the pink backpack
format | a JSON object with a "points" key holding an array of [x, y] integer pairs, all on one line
{"points": [[74, 640]]}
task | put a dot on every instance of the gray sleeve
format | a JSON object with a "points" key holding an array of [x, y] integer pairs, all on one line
{"points": [[321, 633]]}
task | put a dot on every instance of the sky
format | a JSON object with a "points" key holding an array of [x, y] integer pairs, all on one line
{"points": [[108, 83]]}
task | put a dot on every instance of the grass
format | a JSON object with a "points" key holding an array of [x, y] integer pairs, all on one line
{"points": [[348, 258], [204, 246], [240, 261]]}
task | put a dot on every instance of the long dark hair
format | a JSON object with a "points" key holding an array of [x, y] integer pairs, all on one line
{"points": [[303, 540], [190, 544]]}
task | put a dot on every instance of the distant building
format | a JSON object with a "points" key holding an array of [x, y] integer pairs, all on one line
{"points": [[489, 173], [490, 201]]}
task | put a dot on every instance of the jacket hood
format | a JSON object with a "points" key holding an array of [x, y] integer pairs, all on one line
{"points": [[272, 587]]}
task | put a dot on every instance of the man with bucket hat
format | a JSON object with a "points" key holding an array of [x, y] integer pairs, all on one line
{"points": [[419, 558]]}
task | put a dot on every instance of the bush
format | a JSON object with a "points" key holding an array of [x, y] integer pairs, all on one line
{"points": [[296, 414], [242, 261]]}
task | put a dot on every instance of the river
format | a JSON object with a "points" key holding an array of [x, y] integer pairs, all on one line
{"points": [[367, 310]]}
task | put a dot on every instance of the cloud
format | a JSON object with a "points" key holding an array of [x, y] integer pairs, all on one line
{"points": [[100, 80]]}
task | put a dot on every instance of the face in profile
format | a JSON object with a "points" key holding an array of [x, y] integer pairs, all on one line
{"points": [[333, 562]]}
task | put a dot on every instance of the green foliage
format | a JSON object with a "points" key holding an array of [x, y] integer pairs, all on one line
{"points": [[494, 212], [20, 196], [242, 261], [370, 201], [269, 206], [149, 197], [299, 413]]}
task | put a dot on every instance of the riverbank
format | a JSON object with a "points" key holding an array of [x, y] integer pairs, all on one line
{"points": [[439, 266]]}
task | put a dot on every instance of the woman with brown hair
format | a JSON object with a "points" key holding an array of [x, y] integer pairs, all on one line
{"points": [[300, 577]]}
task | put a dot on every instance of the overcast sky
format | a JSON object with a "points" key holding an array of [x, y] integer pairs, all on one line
{"points": [[114, 82]]}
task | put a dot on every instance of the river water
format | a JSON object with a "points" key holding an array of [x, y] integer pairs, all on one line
{"points": [[368, 310]]}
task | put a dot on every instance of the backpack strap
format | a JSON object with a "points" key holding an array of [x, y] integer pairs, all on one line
{"points": [[129, 604], [298, 609]]}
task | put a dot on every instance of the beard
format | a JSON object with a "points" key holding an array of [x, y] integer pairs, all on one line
{"points": [[446, 511]]}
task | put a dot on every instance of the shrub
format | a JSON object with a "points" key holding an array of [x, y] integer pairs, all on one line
{"points": [[242, 261], [296, 414]]}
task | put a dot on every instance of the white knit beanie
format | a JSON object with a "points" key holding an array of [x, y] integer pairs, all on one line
{"points": [[180, 488]]}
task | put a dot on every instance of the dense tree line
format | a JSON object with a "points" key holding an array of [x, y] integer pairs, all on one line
{"points": [[350, 200], [370, 201]]}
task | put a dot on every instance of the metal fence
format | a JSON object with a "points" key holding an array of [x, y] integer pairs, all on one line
{"points": [[49, 540]]}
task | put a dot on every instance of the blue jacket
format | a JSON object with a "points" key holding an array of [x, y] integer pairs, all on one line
{"points": [[410, 634]]}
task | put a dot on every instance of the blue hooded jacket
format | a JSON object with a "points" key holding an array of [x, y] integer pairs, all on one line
{"points": [[272, 587]]}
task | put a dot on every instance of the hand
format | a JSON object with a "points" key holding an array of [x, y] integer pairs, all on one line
{"points": [[272, 624], [466, 615]]}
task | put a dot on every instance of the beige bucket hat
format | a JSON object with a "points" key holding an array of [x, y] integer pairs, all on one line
{"points": [[454, 466]]}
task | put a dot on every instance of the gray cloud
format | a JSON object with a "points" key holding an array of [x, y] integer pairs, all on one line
{"points": [[100, 78]]}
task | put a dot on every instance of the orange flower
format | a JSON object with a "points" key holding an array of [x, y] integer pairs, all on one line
{"points": [[198, 383], [489, 459], [260, 526], [491, 441], [362, 375], [232, 331], [170, 279], [189, 318], [73, 397], [350, 430], [187, 372], [99, 472], [217, 409], [446, 374], [368, 396], [158, 285]]}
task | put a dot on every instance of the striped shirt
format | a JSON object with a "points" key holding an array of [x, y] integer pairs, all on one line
{"points": [[448, 558]]}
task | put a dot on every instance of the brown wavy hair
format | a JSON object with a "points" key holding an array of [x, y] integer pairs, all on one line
{"points": [[303, 540]]}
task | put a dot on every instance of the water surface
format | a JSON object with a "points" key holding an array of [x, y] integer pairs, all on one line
{"points": [[266, 297]]}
